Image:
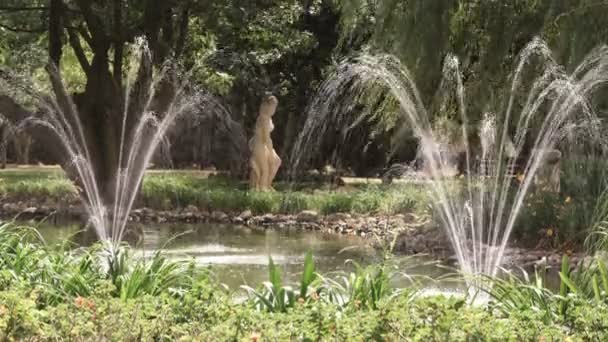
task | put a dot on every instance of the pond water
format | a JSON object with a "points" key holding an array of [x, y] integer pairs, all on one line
{"points": [[239, 255]]}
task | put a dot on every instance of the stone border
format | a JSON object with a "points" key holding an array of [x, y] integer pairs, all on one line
{"points": [[415, 234]]}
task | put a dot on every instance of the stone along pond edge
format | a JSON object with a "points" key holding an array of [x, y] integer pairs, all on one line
{"points": [[415, 234]]}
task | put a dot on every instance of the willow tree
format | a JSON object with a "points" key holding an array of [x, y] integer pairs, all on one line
{"points": [[486, 36]]}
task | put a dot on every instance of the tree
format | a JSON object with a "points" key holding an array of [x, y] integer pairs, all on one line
{"points": [[281, 46], [98, 32], [486, 36]]}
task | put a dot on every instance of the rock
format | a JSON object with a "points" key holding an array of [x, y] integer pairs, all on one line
{"points": [[329, 170], [410, 218], [9, 208], [245, 215], [307, 216], [337, 217], [269, 218], [191, 209], [30, 210], [219, 216], [146, 213], [78, 211], [44, 210]]}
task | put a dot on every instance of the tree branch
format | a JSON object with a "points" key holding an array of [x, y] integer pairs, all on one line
{"points": [[78, 50], [55, 32], [23, 9], [93, 21], [31, 9], [118, 43], [578, 9], [85, 34], [152, 22], [22, 30], [183, 32], [12, 110]]}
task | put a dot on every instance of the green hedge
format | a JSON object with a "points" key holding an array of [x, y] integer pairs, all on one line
{"points": [[207, 314]]}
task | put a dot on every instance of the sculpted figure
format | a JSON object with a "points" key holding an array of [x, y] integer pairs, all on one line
{"points": [[264, 161], [548, 173]]}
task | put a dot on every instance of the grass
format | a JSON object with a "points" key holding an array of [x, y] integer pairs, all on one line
{"points": [[180, 189], [22, 185], [170, 191]]}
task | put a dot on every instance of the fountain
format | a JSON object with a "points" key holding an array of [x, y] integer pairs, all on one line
{"points": [[479, 214], [137, 144]]}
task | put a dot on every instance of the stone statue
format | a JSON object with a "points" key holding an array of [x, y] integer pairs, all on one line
{"points": [[264, 160], [548, 173]]}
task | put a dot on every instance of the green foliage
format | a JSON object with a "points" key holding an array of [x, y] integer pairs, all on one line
{"points": [[588, 283], [63, 272], [485, 36], [168, 190], [276, 297], [133, 278], [182, 305], [366, 287], [23, 185]]}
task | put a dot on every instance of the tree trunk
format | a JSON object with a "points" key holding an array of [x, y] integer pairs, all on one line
{"points": [[290, 134], [99, 109], [3, 145], [22, 142]]}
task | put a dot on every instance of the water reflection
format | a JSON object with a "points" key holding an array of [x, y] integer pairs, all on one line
{"points": [[239, 255]]}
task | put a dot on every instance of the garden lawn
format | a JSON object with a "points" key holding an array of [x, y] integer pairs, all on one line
{"points": [[175, 189]]}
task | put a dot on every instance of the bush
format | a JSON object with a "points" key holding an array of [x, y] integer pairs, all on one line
{"points": [[51, 293]]}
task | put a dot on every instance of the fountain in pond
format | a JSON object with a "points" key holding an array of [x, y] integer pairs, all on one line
{"points": [[479, 215], [137, 145]]}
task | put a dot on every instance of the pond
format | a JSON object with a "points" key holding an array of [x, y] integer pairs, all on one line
{"points": [[239, 255]]}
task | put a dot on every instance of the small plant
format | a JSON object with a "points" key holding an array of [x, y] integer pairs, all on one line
{"points": [[365, 287], [513, 294], [277, 297], [133, 278]]}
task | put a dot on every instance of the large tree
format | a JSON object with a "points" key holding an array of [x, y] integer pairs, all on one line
{"points": [[235, 49], [97, 33], [486, 36]]}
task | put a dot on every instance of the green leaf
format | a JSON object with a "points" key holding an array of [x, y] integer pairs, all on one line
{"points": [[604, 274], [308, 276], [569, 283], [274, 274], [563, 288], [596, 288]]}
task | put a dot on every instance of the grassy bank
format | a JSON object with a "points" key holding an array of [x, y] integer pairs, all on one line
{"points": [[178, 189], [50, 293], [547, 219]]}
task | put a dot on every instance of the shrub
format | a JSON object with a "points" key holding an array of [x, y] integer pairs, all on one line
{"points": [[51, 293]]}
